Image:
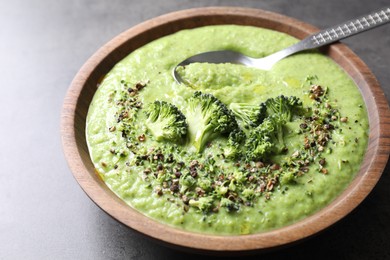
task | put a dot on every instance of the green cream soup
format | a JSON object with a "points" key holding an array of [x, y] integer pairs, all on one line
{"points": [[207, 191]]}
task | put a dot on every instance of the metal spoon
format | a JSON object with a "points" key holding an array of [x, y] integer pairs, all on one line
{"points": [[315, 40]]}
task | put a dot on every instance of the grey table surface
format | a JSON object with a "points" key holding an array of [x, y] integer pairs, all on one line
{"points": [[44, 214]]}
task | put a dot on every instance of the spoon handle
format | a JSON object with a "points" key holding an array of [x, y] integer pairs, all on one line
{"points": [[349, 28], [329, 35]]}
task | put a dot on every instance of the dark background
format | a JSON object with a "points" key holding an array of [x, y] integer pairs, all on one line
{"points": [[44, 214]]}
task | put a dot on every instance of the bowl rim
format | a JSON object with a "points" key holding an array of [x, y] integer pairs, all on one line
{"points": [[360, 187]]}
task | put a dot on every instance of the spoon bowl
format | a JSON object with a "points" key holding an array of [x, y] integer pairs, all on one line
{"points": [[218, 57]]}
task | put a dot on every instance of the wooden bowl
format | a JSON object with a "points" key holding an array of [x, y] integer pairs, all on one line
{"points": [[84, 86]]}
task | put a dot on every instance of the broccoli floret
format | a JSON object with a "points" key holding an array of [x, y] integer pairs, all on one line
{"points": [[220, 191], [260, 143], [204, 204], [268, 137], [165, 121], [277, 123], [204, 183], [239, 176], [207, 118], [233, 148], [248, 194], [229, 205], [186, 182], [250, 115], [288, 177], [283, 107]]}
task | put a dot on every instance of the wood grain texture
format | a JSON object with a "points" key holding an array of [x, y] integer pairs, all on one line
{"points": [[83, 87]]}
